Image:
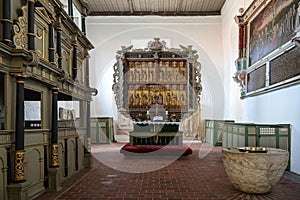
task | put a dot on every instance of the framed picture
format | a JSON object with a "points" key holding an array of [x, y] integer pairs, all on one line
{"points": [[273, 27]]}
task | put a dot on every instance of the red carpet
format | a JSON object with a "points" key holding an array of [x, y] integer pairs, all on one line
{"points": [[173, 150]]}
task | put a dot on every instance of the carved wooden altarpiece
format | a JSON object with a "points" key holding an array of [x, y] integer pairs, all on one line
{"points": [[157, 81]]}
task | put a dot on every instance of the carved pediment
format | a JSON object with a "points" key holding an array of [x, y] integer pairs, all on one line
{"points": [[42, 12], [49, 5]]}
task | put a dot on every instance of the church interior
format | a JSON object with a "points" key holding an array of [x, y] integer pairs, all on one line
{"points": [[160, 99]]}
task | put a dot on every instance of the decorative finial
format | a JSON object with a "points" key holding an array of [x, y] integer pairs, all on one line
{"points": [[241, 10]]}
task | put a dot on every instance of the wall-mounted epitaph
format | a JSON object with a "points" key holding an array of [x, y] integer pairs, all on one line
{"points": [[269, 38], [256, 79], [285, 67]]}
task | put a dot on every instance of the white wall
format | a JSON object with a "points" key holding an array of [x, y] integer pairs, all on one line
{"points": [[108, 34], [281, 106], [215, 39]]}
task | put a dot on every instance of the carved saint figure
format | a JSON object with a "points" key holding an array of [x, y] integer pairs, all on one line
{"points": [[160, 99], [168, 98], [137, 99], [145, 99]]}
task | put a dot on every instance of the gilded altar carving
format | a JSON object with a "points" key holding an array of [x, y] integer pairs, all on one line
{"points": [[157, 75], [19, 165], [157, 94]]}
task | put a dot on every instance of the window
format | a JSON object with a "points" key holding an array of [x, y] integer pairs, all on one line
{"points": [[32, 109], [68, 110], [77, 17], [75, 12], [65, 3]]}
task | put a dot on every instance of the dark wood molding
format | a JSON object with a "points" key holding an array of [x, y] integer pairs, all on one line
{"points": [[162, 13]]}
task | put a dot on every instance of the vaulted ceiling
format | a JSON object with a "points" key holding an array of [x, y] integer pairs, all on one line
{"points": [[155, 7]]}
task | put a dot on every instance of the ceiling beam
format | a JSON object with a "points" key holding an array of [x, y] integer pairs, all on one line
{"points": [[162, 13], [179, 5], [130, 4]]}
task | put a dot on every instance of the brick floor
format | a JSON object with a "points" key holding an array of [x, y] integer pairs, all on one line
{"points": [[197, 176]]}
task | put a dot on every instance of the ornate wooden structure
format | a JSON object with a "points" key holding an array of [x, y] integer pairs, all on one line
{"points": [[158, 88], [43, 58], [157, 79]]}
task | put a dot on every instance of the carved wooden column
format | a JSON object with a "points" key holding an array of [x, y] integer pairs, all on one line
{"points": [[58, 41], [88, 126], [9, 170], [19, 174], [87, 150], [245, 40], [241, 62], [83, 18], [70, 8], [51, 44], [74, 61], [53, 171], [83, 28], [87, 69], [54, 132], [30, 34], [7, 23], [66, 168], [88, 104], [18, 188], [76, 154]]}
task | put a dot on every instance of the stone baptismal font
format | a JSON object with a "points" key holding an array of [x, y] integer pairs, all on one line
{"points": [[254, 169]]}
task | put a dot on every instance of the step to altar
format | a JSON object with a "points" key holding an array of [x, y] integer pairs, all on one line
{"points": [[156, 150]]}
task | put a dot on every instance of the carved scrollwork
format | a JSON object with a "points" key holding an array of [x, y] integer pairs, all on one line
{"points": [[19, 166], [116, 86], [54, 155], [94, 91], [20, 29], [32, 59], [198, 86], [240, 77], [63, 76], [157, 45], [56, 58]]}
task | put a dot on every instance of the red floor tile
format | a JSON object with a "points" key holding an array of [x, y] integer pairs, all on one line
{"points": [[187, 178]]}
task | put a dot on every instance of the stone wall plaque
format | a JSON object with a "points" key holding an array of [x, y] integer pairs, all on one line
{"points": [[256, 79], [285, 67]]}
